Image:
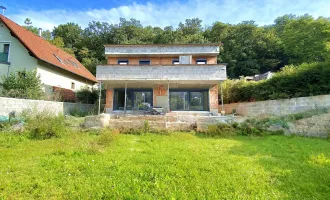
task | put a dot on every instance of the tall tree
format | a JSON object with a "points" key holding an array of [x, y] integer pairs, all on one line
{"points": [[71, 34], [306, 39]]}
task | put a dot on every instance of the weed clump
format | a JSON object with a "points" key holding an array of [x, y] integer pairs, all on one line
{"points": [[220, 130], [44, 125]]}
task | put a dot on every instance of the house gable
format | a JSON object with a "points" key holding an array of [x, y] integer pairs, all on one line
{"points": [[19, 57]]}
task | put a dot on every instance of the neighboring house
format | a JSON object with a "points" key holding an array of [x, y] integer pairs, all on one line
{"points": [[178, 77], [258, 77], [59, 71]]}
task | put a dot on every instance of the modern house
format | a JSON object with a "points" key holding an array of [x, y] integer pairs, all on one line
{"points": [[58, 70], [176, 77]]}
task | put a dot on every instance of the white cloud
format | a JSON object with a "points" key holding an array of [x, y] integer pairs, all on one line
{"points": [[171, 13]]}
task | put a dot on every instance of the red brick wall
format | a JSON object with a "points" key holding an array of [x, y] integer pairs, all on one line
{"points": [[214, 97], [109, 99]]}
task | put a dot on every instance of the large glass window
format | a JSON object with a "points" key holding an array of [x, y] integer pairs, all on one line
{"points": [[179, 101], [189, 100], [135, 99]]}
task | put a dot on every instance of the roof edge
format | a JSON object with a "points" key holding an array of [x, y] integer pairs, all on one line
{"points": [[139, 45]]}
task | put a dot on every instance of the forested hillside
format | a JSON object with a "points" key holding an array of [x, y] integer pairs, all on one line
{"points": [[247, 48]]}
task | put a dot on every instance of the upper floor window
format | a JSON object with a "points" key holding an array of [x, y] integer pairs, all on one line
{"points": [[175, 61], [144, 62], [201, 61], [122, 62], [4, 54]]}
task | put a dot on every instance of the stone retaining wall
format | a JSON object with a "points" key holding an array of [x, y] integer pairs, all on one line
{"points": [[156, 122], [278, 107], [8, 105]]}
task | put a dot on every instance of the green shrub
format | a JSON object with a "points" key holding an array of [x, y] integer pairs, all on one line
{"points": [[44, 125], [87, 95], [220, 130], [76, 112], [305, 114], [247, 128], [292, 81], [22, 84], [133, 131], [107, 136]]}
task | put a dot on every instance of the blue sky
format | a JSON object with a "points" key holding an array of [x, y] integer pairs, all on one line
{"points": [[47, 14]]}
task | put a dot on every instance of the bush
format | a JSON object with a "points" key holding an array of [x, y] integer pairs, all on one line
{"points": [[220, 130], [78, 112], [292, 81], [22, 84], [86, 95], [43, 125]]}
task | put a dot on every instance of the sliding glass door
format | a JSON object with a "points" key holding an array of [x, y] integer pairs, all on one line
{"points": [[135, 98], [179, 101], [185, 100]]}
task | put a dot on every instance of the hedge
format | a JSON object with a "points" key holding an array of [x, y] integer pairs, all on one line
{"points": [[307, 79]]}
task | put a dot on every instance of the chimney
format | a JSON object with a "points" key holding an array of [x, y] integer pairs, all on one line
{"points": [[40, 32], [3, 9]]}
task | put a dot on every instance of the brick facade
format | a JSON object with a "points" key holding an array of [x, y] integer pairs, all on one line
{"points": [[159, 90], [159, 60], [214, 102], [109, 99]]}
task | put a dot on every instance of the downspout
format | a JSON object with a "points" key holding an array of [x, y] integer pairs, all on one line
{"points": [[125, 97], [168, 94], [100, 97], [222, 108], [8, 70]]}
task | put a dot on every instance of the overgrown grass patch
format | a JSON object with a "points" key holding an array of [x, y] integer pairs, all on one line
{"points": [[152, 166]]}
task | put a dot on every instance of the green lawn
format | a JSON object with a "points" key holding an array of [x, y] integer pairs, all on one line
{"points": [[176, 166]]}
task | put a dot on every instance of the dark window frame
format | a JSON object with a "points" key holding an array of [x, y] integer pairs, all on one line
{"points": [[144, 62], [189, 91], [201, 60], [175, 61], [6, 52], [119, 61]]}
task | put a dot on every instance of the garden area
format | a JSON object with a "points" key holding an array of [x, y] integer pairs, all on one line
{"points": [[53, 158]]}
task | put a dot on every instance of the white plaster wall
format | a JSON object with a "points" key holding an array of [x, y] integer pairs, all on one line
{"points": [[51, 76], [19, 57]]}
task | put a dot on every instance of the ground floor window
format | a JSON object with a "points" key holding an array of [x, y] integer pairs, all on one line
{"points": [[193, 100], [135, 98]]}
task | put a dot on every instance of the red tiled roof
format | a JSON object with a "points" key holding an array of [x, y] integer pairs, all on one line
{"points": [[47, 52]]}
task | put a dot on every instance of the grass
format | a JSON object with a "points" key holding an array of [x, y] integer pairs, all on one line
{"points": [[100, 165]]}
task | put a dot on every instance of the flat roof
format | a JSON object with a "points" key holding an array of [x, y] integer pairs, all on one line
{"points": [[141, 45]]}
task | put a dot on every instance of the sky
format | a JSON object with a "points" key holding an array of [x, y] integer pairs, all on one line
{"points": [[47, 14]]}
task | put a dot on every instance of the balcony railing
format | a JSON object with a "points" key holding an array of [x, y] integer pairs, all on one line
{"points": [[168, 72], [3, 57]]}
